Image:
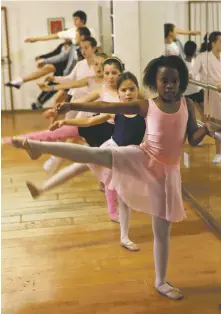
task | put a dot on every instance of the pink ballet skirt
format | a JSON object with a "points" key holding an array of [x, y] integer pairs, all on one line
{"points": [[147, 177]]}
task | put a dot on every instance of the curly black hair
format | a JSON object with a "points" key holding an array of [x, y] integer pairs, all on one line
{"points": [[174, 62]]}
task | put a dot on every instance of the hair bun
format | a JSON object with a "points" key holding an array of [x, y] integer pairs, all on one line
{"points": [[205, 39]]}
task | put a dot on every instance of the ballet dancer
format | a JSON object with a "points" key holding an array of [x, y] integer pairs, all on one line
{"points": [[79, 20], [193, 92], [129, 130], [208, 66], [173, 46], [146, 177]]}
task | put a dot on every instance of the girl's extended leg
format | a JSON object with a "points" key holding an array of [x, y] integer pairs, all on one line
{"points": [[59, 134], [59, 178], [48, 68], [161, 231], [124, 215], [73, 152]]}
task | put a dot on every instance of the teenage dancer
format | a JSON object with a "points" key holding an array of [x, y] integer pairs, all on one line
{"points": [[193, 92], [208, 66], [172, 48], [93, 83], [43, 68], [146, 178], [79, 20], [98, 78]]}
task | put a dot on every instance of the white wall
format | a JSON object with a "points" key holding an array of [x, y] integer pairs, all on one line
{"points": [[127, 38], [105, 26], [29, 19], [139, 30]]}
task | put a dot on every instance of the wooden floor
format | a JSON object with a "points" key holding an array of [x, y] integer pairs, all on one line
{"points": [[61, 254]]}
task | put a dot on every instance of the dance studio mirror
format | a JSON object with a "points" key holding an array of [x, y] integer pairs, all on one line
{"points": [[192, 31]]}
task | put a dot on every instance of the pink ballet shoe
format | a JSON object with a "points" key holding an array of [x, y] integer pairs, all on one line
{"points": [[129, 245], [34, 191], [170, 292], [23, 144], [114, 217], [6, 140]]}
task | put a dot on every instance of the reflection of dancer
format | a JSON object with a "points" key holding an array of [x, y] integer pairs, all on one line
{"points": [[129, 130], [195, 93], [92, 83], [172, 44], [208, 66], [146, 178], [60, 68], [79, 19]]}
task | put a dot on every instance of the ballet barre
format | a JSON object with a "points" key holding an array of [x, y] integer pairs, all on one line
{"points": [[204, 85], [217, 134]]}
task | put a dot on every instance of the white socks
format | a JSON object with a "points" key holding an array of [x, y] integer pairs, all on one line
{"points": [[19, 81], [217, 159], [124, 216]]}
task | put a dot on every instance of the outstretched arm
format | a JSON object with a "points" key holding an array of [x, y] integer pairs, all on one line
{"points": [[195, 134], [82, 122], [182, 32], [75, 84], [134, 107], [42, 38]]}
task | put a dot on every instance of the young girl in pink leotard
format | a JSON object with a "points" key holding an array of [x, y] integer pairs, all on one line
{"points": [[146, 177]]}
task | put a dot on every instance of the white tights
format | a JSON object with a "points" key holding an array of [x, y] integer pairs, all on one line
{"points": [[103, 157]]}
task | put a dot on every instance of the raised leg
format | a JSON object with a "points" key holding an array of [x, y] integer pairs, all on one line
{"points": [[73, 152], [58, 179]]}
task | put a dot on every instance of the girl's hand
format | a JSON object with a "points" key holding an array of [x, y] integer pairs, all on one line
{"points": [[49, 78], [40, 63], [57, 125], [219, 87], [30, 40], [50, 113], [212, 128], [44, 87], [63, 107]]}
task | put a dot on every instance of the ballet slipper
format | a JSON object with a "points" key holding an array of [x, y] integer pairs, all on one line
{"points": [[114, 217], [6, 141], [34, 191], [23, 144], [169, 291], [129, 245]]}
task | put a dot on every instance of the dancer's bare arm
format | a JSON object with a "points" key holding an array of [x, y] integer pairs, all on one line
{"points": [[183, 32], [194, 132], [82, 122], [75, 84], [41, 38], [134, 107]]}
